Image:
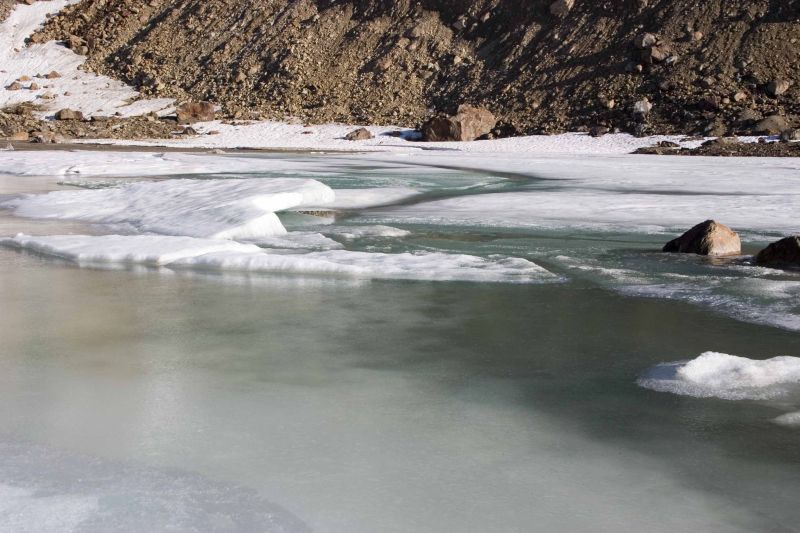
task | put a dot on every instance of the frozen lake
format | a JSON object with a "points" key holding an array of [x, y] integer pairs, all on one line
{"points": [[468, 344]]}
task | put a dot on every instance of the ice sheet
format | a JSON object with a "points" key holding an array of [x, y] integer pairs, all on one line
{"points": [[227, 256], [726, 376], [637, 193], [221, 209]]}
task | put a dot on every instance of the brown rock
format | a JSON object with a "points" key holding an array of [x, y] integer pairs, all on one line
{"points": [[772, 125], [361, 134], [15, 86], [19, 136], [645, 40], [191, 112], [707, 238], [560, 8], [783, 253], [467, 125], [778, 87], [69, 114], [52, 75]]}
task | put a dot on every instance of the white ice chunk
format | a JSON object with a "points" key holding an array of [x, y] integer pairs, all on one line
{"points": [[220, 255], [221, 209], [726, 376]]}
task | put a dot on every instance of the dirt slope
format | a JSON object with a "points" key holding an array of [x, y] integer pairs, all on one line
{"points": [[396, 61]]}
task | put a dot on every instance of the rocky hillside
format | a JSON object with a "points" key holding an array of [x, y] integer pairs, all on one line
{"points": [[710, 66]]}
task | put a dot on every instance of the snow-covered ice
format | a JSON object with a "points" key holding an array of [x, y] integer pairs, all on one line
{"points": [[221, 209], [219, 255], [726, 376]]}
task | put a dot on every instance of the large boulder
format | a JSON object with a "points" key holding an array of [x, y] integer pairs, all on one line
{"points": [[707, 238], [772, 125], [467, 125], [783, 253], [190, 112]]}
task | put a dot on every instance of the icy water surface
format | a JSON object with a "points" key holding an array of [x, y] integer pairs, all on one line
{"points": [[135, 397]]}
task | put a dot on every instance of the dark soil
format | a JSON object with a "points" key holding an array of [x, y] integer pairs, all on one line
{"points": [[360, 61]]}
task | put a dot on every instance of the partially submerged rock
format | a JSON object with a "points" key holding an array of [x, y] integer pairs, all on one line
{"points": [[781, 254], [361, 134], [467, 125], [707, 238], [190, 112]]}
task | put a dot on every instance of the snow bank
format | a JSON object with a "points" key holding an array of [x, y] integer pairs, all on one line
{"points": [[75, 89], [220, 209], [285, 135], [725, 376], [224, 256]]}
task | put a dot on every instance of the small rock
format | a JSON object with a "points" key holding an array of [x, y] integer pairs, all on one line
{"points": [[645, 40], [707, 238], [69, 114], [560, 8], [697, 36], [361, 134], [24, 78], [778, 87], [191, 112], [642, 108], [15, 86], [19, 136], [34, 86], [790, 135], [52, 75], [740, 97], [598, 131], [781, 254]]}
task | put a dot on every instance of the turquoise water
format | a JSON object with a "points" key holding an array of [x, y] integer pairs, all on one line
{"points": [[151, 400]]}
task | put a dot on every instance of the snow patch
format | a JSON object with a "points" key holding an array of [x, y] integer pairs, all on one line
{"points": [[729, 377], [75, 89]]}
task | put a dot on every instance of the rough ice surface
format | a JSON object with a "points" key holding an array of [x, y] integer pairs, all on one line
{"points": [[230, 256], [221, 209], [729, 377], [49, 491]]}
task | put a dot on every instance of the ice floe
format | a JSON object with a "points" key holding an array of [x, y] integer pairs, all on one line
{"points": [[221, 209], [729, 377], [230, 256]]}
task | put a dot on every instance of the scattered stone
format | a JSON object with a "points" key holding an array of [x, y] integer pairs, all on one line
{"points": [[24, 78], [191, 112], [790, 135], [740, 97], [52, 75], [598, 131], [772, 125], [560, 8], [645, 40], [778, 87], [361, 134], [784, 253], [69, 114], [15, 86], [642, 108], [467, 125], [34, 86], [667, 144], [707, 238], [19, 136]]}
